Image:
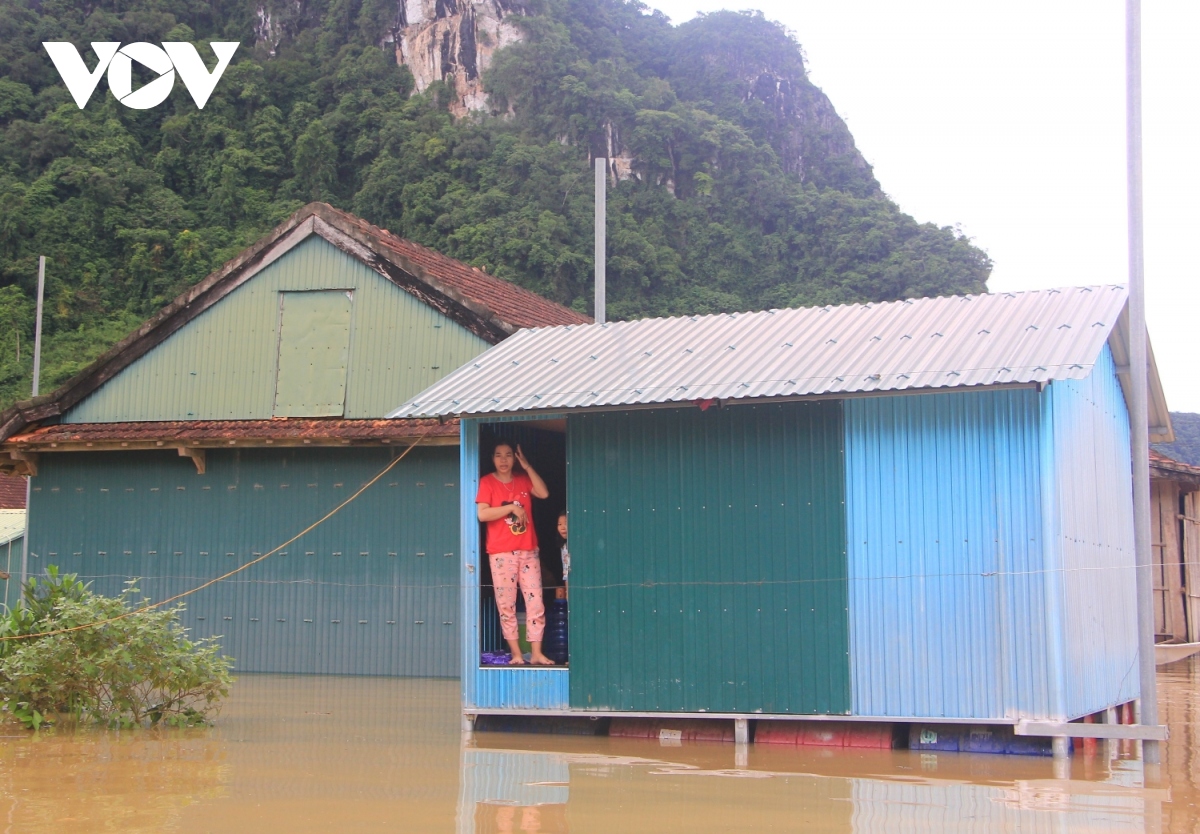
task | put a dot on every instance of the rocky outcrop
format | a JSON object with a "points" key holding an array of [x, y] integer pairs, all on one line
{"points": [[810, 133], [453, 41]]}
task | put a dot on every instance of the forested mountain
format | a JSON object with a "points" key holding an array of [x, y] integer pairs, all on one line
{"points": [[466, 125]]}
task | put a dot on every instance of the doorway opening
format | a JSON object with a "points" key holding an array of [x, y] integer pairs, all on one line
{"points": [[544, 445]]}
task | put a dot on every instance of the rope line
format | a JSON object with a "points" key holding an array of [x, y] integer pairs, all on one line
{"points": [[236, 570]]}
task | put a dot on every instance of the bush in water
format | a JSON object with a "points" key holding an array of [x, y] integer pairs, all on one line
{"points": [[137, 670]]}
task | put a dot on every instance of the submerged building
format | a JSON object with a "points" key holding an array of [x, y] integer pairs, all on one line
{"points": [[911, 511], [249, 408]]}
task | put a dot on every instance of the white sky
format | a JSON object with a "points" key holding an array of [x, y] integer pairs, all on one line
{"points": [[1008, 119]]}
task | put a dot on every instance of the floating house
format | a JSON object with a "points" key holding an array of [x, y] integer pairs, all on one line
{"points": [[909, 511], [249, 408]]}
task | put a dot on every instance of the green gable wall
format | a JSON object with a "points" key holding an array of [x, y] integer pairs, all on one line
{"points": [[708, 560], [223, 364]]}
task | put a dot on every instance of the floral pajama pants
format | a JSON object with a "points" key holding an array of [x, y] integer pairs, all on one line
{"points": [[509, 569]]}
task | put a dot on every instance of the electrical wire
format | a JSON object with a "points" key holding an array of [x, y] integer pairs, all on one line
{"points": [[236, 570]]}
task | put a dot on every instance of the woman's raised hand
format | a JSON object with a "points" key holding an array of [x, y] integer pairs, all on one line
{"points": [[521, 459]]}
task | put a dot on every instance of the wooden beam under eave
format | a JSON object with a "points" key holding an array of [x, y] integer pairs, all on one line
{"points": [[197, 456], [29, 459], [166, 444], [11, 466]]}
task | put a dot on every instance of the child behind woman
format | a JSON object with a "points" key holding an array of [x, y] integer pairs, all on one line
{"points": [[566, 558]]}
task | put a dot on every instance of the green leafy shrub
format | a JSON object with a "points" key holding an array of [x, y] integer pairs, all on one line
{"points": [[135, 671]]}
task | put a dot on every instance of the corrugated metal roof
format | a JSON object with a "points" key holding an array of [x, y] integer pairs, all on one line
{"points": [[12, 525], [909, 345]]}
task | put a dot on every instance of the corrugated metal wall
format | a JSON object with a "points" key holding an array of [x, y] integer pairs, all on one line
{"points": [[372, 591], [221, 366], [708, 560], [1089, 535], [944, 527]]}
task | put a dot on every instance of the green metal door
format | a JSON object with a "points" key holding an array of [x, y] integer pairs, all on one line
{"points": [[708, 567], [314, 348]]}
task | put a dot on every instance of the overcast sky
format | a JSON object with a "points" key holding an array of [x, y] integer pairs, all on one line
{"points": [[1008, 119]]}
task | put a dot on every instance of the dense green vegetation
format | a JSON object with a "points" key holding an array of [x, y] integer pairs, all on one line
{"points": [[136, 668], [1186, 447], [740, 201]]}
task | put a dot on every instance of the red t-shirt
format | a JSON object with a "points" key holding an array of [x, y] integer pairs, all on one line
{"points": [[506, 534]]}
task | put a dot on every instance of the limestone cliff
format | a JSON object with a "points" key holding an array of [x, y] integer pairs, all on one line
{"points": [[453, 41]]}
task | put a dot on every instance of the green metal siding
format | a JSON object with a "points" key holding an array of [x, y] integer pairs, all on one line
{"points": [[372, 591], [314, 343], [708, 560], [222, 365]]}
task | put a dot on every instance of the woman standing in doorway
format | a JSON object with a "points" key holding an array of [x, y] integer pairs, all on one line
{"points": [[504, 503]]}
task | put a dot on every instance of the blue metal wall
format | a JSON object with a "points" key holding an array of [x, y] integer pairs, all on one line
{"points": [[943, 512], [1088, 531], [371, 591]]}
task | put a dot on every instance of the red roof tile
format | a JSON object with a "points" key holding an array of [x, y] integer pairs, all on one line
{"points": [[319, 431], [513, 304], [12, 492], [1165, 464]]}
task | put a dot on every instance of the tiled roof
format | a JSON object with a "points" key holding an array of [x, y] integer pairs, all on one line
{"points": [[512, 304], [1169, 466], [487, 306], [220, 432], [12, 492]]}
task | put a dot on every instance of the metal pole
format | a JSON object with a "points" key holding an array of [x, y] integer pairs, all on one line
{"points": [[1138, 363], [601, 235], [37, 372], [37, 333]]}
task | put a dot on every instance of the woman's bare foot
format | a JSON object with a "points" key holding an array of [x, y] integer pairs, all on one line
{"points": [[517, 660], [539, 659]]}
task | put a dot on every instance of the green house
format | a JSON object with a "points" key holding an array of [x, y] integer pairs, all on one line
{"points": [[250, 408]]}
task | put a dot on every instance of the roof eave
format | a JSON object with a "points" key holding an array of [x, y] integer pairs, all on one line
{"points": [[560, 411], [1157, 412]]}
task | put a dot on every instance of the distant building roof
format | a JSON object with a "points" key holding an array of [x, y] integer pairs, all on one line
{"points": [[484, 304], [12, 525], [12, 492], [1162, 466], [1014, 338]]}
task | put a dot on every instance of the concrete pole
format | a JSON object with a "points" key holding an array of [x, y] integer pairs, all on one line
{"points": [[37, 333], [601, 236], [37, 373], [1138, 382]]}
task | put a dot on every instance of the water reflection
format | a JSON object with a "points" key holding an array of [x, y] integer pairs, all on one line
{"points": [[369, 754], [612, 784]]}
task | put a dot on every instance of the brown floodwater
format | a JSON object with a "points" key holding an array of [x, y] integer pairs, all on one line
{"points": [[297, 754]]}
